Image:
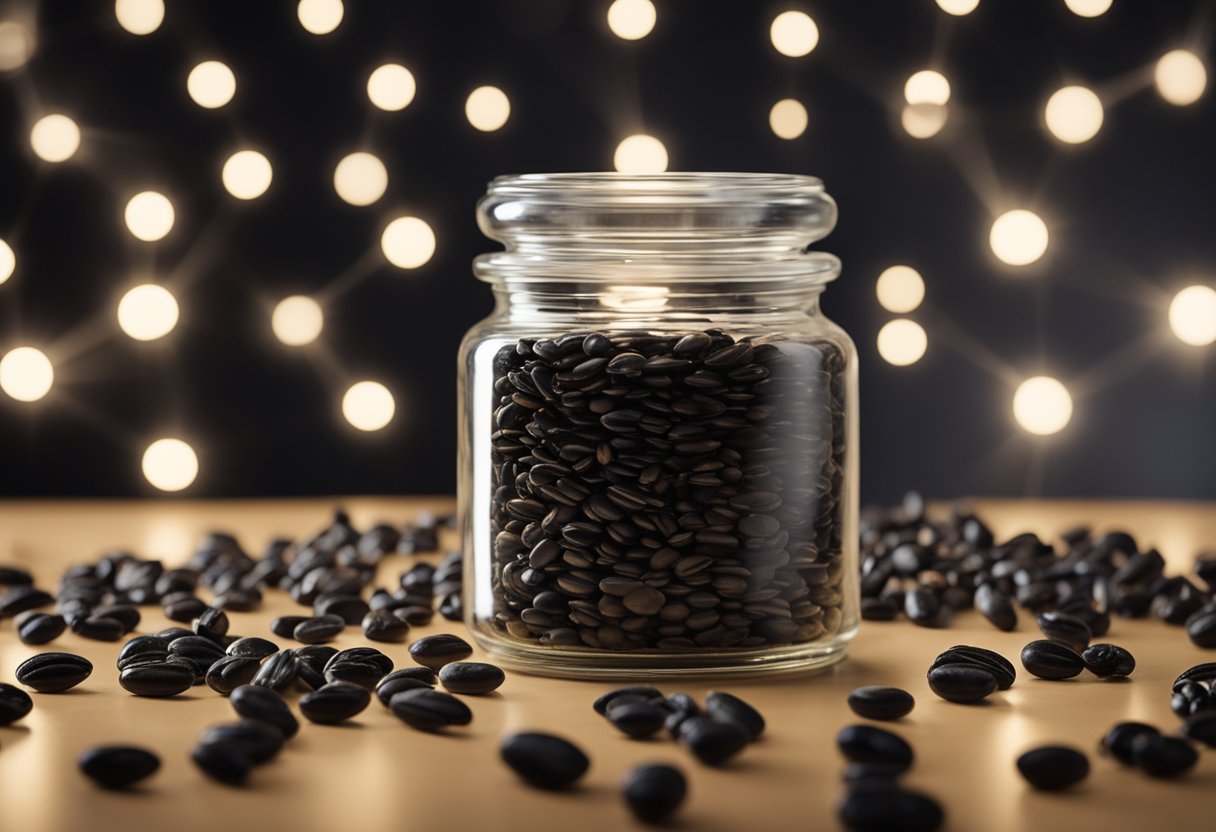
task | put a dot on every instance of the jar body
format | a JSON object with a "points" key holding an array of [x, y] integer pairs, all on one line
{"points": [[658, 482]]}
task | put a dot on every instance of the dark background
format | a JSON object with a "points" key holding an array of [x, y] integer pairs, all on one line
{"points": [[1131, 216]]}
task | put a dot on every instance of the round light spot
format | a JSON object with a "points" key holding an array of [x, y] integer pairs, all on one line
{"points": [[26, 374], [794, 34], [487, 108], [1088, 8], [631, 19], [958, 8], [8, 261], [55, 138], [391, 87], [924, 121], [247, 174], [902, 342], [1042, 405], [1193, 315], [360, 179], [147, 312], [297, 320], [140, 17], [1180, 77], [1018, 237], [368, 405], [170, 464], [211, 84], [149, 216], [900, 289], [1074, 114], [408, 242], [927, 87], [320, 16], [17, 45], [640, 153], [788, 118]]}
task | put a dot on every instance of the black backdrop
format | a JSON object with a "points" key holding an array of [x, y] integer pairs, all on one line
{"points": [[1131, 215]]}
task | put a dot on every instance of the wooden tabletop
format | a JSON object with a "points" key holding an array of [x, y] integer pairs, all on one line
{"points": [[378, 774]]}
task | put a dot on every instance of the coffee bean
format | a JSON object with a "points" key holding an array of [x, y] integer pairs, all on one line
{"points": [[319, 630], [117, 766], [1066, 629], [873, 807], [997, 607], [164, 679], [867, 744], [962, 683], [543, 760], [334, 702], [53, 672], [212, 623], [35, 628], [877, 702], [14, 704], [996, 664], [259, 741], [277, 672], [654, 792], [252, 647], [1051, 660], [225, 763], [1053, 767], [1108, 660], [231, 672], [472, 678], [436, 651], [713, 742], [1200, 727], [636, 718], [284, 626], [1118, 740], [429, 710], [1161, 756], [382, 625], [600, 706], [726, 707], [264, 704]]}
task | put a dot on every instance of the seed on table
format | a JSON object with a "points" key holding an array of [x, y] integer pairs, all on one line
{"points": [[726, 707], [1162, 756], [369, 655], [1205, 672], [924, 607], [1189, 698], [15, 576], [867, 744], [14, 703], [993, 662], [185, 609], [143, 650], [878, 702], [1201, 627], [1053, 767], [1064, 628], [117, 766], [600, 705], [35, 628], [266, 705], [876, 807], [316, 655], [212, 623], [259, 741], [319, 630], [543, 760], [635, 717], [654, 792], [997, 607], [23, 598], [1051, 660], [1108, 660], [284, 626], [172, 634], [436, 651], [164, 679], [98, 628], [334, 702], [451, 606], [680, 706], [429, 710], [252, 647], [382, 625], [388, 688], [224, 763], [350, 608], [277, 672], [962, 683], [713, 742], [231, 672], [471, 678], [1201, 728], [53, 672]]}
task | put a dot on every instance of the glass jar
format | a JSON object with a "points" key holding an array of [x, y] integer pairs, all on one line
{"points": [[658, 447]]}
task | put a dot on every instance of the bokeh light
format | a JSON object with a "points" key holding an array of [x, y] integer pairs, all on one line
{"points": [[211, 84], [902, 342], [640, 153], [360, 178], [1088, 8], [631, 19], [1181, 77], [928, 86], [900, 289], [1018, 237], [1074, 114], [958, 7], [487, 108], [140, 17], [170, 464], [55, 138], [924, 120], [391, 87], [1042, 405], [8, 261], [794, 34], [17, 44], [147, 312], [788, 118], [297, 320], [368, 405], [26, 374], [149, 216], [320, 16], [247, 174], [1193, 315], [407, 242]]}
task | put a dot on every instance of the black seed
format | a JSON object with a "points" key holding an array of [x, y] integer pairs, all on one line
{"points": [[544, 760], [1066, 629], [654, 792], [711, 741], [23, 598], [14, 704], [284, 626], [334, 702], [203, 652], [231, 672], [600, 706], [924, 607], [1051, 660], [429, 710], [402, 680], [867, 744], [1201, 627], [962, 682], [252, 647], [319, 630], [472, 678], [1201, 727], [382, 625], [726, 707], [1108, 660], [185, 609], [361, 672], [436, 651], [259, 741], [1161, 756], [349, 608], [212, 623], [262, 703], [15, 576], [997, 607], [368, 655], [277, 671], [125, 614], [36, 628], [227, 764], [875, 807], [1053, 767], [117, 766], [164, 679], [53, 672], [99, 629], [877, 702], [1205, 672], [993, 662], [636, 718], [1118, 740], [143, 650]]}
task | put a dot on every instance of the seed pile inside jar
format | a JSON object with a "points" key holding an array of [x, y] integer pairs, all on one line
{"points": [[670, 492]]}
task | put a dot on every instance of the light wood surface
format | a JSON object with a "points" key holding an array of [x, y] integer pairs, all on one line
{"points": [[377, 774]]}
